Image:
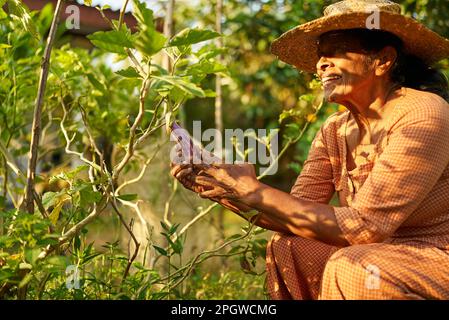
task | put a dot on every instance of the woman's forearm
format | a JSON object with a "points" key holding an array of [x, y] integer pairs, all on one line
{"points": [[293, 215], [263, 220]]}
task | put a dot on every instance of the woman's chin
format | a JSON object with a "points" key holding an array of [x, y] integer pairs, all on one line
{"points": [[331, 96]]}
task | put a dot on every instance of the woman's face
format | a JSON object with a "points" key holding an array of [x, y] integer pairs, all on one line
{"points": [[344, 68]]}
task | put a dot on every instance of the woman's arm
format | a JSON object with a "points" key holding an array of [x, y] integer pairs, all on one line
{"points": [[304, 218], [242, 210]]}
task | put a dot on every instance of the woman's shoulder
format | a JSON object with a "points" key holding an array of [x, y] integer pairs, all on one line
{"points": [[417, 104], [413, 98]]}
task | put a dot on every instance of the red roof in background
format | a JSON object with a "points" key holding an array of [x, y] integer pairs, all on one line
{"points": [[90, 18]]}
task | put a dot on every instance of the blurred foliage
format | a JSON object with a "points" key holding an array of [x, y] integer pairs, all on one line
{"points": [[94, 101]]}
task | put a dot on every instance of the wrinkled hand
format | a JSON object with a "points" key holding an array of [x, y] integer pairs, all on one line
{"points": [[227, 181], [185, 174], [221, 183]]}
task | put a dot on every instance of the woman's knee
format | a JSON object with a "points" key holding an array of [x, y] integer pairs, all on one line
{"points": [[351, 273]]}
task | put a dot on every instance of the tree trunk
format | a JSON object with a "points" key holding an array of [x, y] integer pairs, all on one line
{"points": [[28, 202], [219, 105]]}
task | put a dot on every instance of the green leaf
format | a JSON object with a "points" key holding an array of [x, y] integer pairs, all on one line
{"points": [[190, 36], [25, 280], [183, 84], [112, 41], [162, 251], [73, 173], [205, 67], [173, 228], [127, 197], [54, 215], [97, 84], [48, 199], [210, 93], [88, 2], [177, 246], [2, 202], [89, 196], [31, 255], [89, 257], [25, 266], [59, 262], [209, 52], [143, 15], [19, 10], [148, 41], [164, 226], [129, 72], [3, 14]]}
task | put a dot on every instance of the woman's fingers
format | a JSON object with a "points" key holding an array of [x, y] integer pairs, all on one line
{"points": [[177, 167], [206, 181], [213, 193], [209, 169], [183, 173]]}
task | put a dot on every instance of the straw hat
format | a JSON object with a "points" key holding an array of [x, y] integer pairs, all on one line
{"points": [[299, 45]]}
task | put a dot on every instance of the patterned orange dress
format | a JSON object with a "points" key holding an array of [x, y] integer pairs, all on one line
{"points": [[394, 211]]}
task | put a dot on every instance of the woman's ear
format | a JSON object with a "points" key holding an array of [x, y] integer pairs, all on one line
{"points": [[386, 58]]}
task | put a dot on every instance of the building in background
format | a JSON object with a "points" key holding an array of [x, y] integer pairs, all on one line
{"points": [[91, 20]]}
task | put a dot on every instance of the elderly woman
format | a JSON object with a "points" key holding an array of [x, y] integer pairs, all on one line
{"points": [[387, 157]]}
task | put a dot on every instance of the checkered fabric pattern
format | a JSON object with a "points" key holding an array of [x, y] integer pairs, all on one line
{"points": [[394, 211]]}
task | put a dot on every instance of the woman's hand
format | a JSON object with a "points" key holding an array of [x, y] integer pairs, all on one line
{"points": [[234, 182], [222, 183], [185, 174]]}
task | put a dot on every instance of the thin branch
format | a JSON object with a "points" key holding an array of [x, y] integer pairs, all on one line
{"points": [[167, 205], [67, 236], [194, 220], [136, 208], [140, 176], [28, 202], [69, 140], [136, 243], [158, 125], [122, 14], [132, 131], [195, 261], [10, 161], [128, 51], [289, 143], [89, 132]]}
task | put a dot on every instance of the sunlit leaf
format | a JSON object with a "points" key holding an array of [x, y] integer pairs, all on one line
{"points": [[190, 36], [19, 10], [129, 72], [112, 41], [183, 84], [161, 251], [148, 40]]}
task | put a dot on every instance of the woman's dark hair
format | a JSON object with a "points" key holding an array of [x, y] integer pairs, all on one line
{"points": [[408, 70]]}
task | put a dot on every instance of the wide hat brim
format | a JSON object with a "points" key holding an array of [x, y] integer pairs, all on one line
{"points": [[298, 46]]}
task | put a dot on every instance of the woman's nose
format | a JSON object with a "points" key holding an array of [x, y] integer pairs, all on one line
{"points": [[323, 64]]}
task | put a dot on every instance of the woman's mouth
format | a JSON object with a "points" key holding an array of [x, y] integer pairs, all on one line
{"points": [[330, 80]]}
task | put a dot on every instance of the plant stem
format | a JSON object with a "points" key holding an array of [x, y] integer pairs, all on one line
{"points": [[136, 243], [122, 14], [28, 202]]}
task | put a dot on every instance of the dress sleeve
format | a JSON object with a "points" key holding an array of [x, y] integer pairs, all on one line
{"points": [[315, 182], [412, 162]]}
